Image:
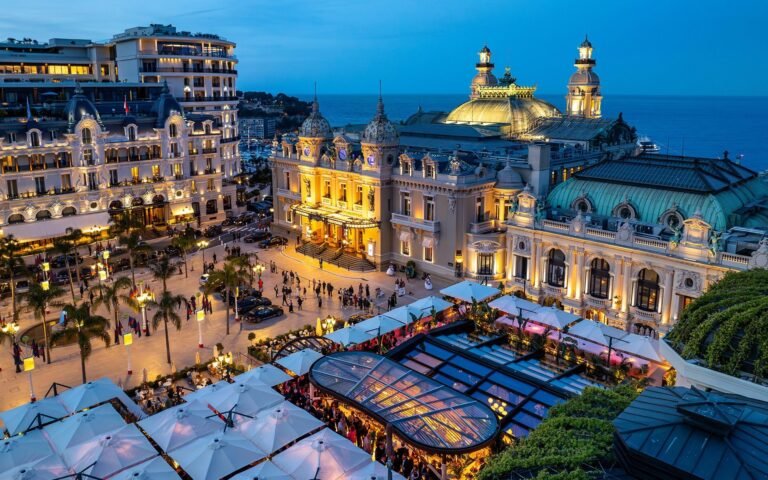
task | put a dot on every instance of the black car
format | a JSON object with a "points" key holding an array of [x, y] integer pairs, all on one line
{"points": [[60, 261], [213, 231], [228, 221], [172, 251], [256, 236], [250, 303], [260, 314], [244, 219], [61, 277], [274, 241]]}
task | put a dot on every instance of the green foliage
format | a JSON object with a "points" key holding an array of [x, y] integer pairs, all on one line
{"points": [[576, 434], [727, 327]]}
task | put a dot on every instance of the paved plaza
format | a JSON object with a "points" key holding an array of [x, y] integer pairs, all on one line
{"points": [[149, 352]]}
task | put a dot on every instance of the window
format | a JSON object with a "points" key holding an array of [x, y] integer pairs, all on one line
{"points": [[131, 133], [497, 209], [287, 180], [521, 267], [359, 195], [177, 171], [211, 185], [40, 185], [428, 254], [12, 137], [289, 216], [155, 171], [86, 136], [485, 263], [429, 208], [113, 180], [556, 268], [173, 130], [53, 135], [343, 192], [88, 156], [92, 181], [683, 303], [211, 207], [406, 168], [13, 188], [34, 139], [429, 170], [647, 297], [135, 174], [406, 204], [66, 181], [174, 150], [405, 247], [327, 189], [479, 209], [599, 278]]}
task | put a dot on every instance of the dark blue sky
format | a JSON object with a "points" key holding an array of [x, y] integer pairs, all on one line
{"points": [[689, 47]]}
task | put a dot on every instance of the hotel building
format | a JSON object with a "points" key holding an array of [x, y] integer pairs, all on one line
{"points": [[559, 206]]}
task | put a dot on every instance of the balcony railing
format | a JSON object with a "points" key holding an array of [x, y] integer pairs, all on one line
{"points": [[645, 315], [482, 227], [221, 98], [210, 150], [35, 194], [419, 223], [230, 139], [186, 70]]}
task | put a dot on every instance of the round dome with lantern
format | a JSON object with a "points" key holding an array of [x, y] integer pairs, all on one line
{"points": [[315, 125], [78, 107], [380, 130]]}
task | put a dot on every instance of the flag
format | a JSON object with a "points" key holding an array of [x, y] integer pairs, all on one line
{"points": [[125, 105], [29, 110]]}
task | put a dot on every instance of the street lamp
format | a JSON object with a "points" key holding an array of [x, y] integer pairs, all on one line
{"points": [[11, 329], [105, 255], [201, 245], [200, 315], [29, 365], [128, 341], [143, 298]]}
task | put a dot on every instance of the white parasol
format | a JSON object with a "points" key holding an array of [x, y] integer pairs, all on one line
{"points": [[110, 453], [30, 415], [349, 336], [278, 426], [467, 291], [84, 427], [427, 304], [154, 469], [300, 362], [177, 426], [514, 306], [217, 455], [22, 450], [325, 455], [267, 374], [379, 325], [45, 468], [263, 471], [97, 392], [245, 398], [554, 317], [372, 471]]}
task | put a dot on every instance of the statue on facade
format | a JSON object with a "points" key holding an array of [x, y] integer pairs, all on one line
{"points": [[514, 204], [540, 210], [677, 233], [452, 203], [714, 242], [308, 186], [371, 198], [455, 165]]}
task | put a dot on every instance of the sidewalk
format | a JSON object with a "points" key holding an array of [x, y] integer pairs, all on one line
{"points": [[149, 352]]}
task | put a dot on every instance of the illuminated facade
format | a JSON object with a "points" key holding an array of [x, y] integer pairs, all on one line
{"points": [[583, 99]]}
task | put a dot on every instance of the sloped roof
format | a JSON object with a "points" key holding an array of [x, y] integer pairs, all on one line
{"points": [[687, 433], [571, 128]]}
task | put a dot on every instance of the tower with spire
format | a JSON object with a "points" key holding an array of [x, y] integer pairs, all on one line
{"points": [[313, 134], [584, 99], [380, 141], [484, 76]]}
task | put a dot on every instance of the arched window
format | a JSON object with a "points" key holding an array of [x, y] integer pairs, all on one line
{"points": [[647, 297], [131, 133], [68, 211], [115, 205], [207, 128], [211, 207], [625, 211], [172, 130], [86, 135], [599, 278], [43, 215], [137, 202], [582, 204], [16, 218], [556, 268], [158, 199], [34, 139]]}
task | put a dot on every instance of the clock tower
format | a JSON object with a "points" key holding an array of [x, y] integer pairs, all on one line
{"points": [[313, 134], [380, 142]]}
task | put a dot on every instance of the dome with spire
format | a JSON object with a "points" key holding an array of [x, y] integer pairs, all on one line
{"points": [[380, 130], [507, 177], [586, 43], [315, 125], [585, 77], [78, 107], [164, 105]]}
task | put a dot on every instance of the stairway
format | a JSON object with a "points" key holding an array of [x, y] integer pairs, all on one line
{"points": [[335, 257]]}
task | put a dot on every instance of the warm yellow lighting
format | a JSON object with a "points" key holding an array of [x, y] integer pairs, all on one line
{"points": [[102, 274], [128, 339], [105, 254], [46, 266], [29, 364], [200, 315], [45, 285]]}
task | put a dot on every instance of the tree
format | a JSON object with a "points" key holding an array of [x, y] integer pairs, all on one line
{"points": [[166, 312], [229, 278], [162, 270], [126, 223], [66, 246], [112, 297], [185, 243], [81, 326], [135, 246], [38, 301], [11, 263]]}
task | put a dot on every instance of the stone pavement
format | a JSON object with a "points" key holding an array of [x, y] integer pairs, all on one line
{"points": [[149, 352]]}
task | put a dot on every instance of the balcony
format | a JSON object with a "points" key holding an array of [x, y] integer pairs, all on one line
{"points": [[210, 150], [595, 302], [482, 226], [230, 139], [286, 193], [644, 315], [151, 70], [35, 194], [552, 291], [220, 98], [421, 224]]}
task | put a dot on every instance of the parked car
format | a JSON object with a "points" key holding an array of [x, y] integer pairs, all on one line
{"points": [[22, 286], [273, 241], [247, 303], [121, 265], [256, 236], [87, 273], [61, 277], [259, 314], [60, 261], [204, 279], [172, 251], [228, 221], [213, 231]]}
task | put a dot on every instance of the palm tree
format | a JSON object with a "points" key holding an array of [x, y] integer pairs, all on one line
{"points": [[81, 326], [228, 277], [66, 246], [162, 270], [112, 297], [11, 262], [185, 243], [38, 301], [133, 243], [126, 223], [166, 311]]}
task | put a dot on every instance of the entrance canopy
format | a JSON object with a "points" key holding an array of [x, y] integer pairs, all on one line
{"points": [[39, 230], [426, 413], [334, 216]]}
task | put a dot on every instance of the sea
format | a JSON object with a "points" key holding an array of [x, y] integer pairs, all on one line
{"points": [[688, 125]]}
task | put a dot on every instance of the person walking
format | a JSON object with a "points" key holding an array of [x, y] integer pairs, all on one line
{"points": [[277, 291], [299, 301], [321, 264], [290, 306]]}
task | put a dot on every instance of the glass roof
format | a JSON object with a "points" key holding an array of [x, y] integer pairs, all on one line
{"points": [[424, 411]]}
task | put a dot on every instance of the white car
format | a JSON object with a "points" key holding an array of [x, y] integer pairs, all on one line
{"points": [[204, 279]]}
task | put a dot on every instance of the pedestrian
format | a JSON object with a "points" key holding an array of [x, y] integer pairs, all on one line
{"points": [[290, 306], [214, 259], [35, 351], [90, 252], [193, 301], [82, 289], [319, 302], [277, 291], [299, 301], [285, 301], [321, 264]]}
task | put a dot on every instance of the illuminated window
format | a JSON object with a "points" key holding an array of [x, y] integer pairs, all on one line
{"points": [[34, 139], [647, 297], [405, 204], [359, 195], [429, 208], [172, 130], [86, 136], [327, 189], [343, 192], [556, 268], [155, 170], [405, 247], [428, 254], [485, 263], [599, 278]]}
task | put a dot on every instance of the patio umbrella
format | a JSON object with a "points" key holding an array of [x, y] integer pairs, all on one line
{"points": [[154, 469], [84, 426], [372, 471], [205, 391], [217, 455], [110, 453], [349, 336], [589, 330], [300, 362], [379, 325], [405, 314], [325, 455], [514, 306], [45, 468], [263, 471], [177, 426], [467, 291], [96, 392], [641, 346], [278, 426], [245, 398], [23, 450], [427, 304], [32, 415], [554, 317], [267, 374]]}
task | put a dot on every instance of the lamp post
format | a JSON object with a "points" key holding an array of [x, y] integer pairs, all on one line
{"points": [[11, 329], [200, 316], [143, 298], [201, 245], [128, 341], [46, 285], [105, 255], [29, 365]]}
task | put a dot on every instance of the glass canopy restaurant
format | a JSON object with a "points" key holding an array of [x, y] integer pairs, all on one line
{"points": [[422, 411]]}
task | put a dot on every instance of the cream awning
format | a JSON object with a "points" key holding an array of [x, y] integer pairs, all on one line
{"points": [[405, 236], [428, 242], [184, 208], [42, 229], [334, 216]]}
